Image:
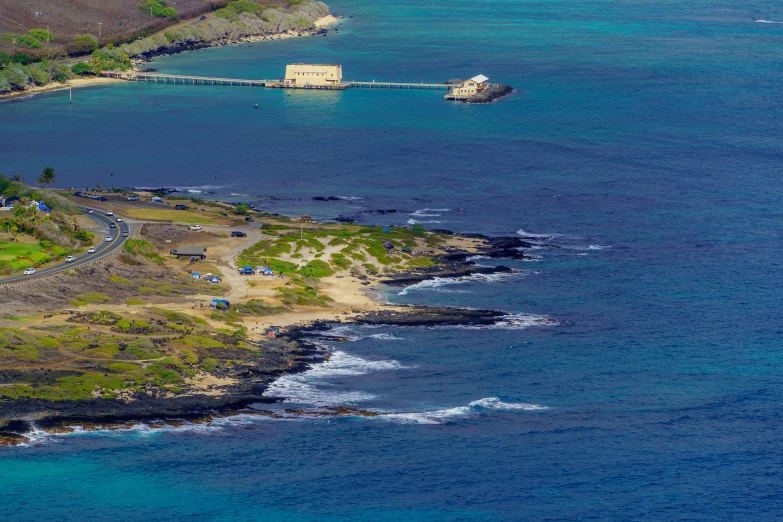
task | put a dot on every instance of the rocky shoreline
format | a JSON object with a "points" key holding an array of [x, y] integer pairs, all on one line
{"points": [[18, 418]]}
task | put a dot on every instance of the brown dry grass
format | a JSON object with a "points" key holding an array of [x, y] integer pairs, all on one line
{"points": [[69, 18]]}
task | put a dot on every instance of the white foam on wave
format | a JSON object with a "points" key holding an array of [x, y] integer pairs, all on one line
{"points": [[512, 322], [447, 414], [351, 198], [768, 22], [415, 222], [437, 282], [525, 233], [429, 212], [313, 387], [385, 337]]}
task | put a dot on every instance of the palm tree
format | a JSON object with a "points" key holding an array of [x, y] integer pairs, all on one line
{"points": [[47, 177], [17, 178]]}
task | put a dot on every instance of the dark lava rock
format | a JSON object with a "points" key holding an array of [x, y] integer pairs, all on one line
{"points": [[491, 93]]}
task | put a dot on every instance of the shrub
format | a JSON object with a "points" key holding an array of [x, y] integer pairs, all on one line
{"points": [[5, 58], [158, 9], [22, 58], [119, 280], [86, 42], [41, 35], [83, 235], [82, 68], [316, 268], [22, 39]]}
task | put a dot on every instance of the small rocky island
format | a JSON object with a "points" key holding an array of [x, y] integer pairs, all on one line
{"points": [[476, 90]]}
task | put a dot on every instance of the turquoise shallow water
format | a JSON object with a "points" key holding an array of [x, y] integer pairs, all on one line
{"points": [[644, 138]]}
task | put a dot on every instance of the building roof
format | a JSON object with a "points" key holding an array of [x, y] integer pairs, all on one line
{"points": [[191, 251], [480, 78]]}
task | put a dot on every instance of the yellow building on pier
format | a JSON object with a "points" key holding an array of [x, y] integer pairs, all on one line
{"points": [[313, 75]]}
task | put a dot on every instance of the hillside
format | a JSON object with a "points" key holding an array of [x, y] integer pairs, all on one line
{"points": [[68, 19]]}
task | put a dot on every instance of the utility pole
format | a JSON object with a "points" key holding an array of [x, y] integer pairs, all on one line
{"points": [[150, 14], [100, 26], [14, 44]]}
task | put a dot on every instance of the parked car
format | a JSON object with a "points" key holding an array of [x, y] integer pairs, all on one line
{"points": [[70, 259], [109, 212], [195, 227], [109, 239], [112, 225], [133, 198], [237, 233], [91, 250], [102, 198], [249, 219], [203, 18], [29, 271], [181, 207]]}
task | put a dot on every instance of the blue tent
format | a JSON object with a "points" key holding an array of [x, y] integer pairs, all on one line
{"points": [[196, 275], [43, 207], [386, 229], [219, 304], [267, 271]]}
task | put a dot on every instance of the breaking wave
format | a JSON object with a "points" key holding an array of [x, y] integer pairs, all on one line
{"points": [[438, 282], [767, 22], [524, 233], [473, 408], [429, 212], [313, 387], [415, 222]]}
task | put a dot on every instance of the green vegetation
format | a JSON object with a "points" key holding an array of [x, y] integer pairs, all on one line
{"points": [[119, 280], [42, 35], [22, 73], [316, 268], [142, 248], [234, 9], [47, 177], [303, 296], [85, 43], [242, 209], [82, 69], [25, 40], [108, 58], [367, 247], [158, 9]]}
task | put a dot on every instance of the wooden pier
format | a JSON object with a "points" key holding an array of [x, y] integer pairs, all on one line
{"points": [[181, 79], [280, 84]]}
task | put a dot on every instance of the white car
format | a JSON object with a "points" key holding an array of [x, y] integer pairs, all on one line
{"points": [[91, 250], [29, 271], [195, 227], [91, 211], [109, 239], [109, 212], [119, 220], [70, 259]]}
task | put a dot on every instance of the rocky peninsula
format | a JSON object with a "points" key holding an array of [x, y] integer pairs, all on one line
{"points": [[133, 337]]}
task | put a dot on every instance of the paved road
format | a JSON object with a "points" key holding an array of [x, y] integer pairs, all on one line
{"points": [[103, 249]]}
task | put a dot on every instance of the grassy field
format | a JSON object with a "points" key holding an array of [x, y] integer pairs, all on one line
{"points": [[10, 251]]}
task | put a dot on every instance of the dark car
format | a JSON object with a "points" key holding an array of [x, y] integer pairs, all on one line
{"points": [[237, 233], [112, 225], [181, 207], [249, 219], [102, 198], [203, 18]]}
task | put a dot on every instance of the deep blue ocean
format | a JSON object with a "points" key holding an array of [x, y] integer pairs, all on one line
{"points": [[644, 138]]}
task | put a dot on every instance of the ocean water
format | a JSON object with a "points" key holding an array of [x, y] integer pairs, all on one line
{"points": [[644, 139]]}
